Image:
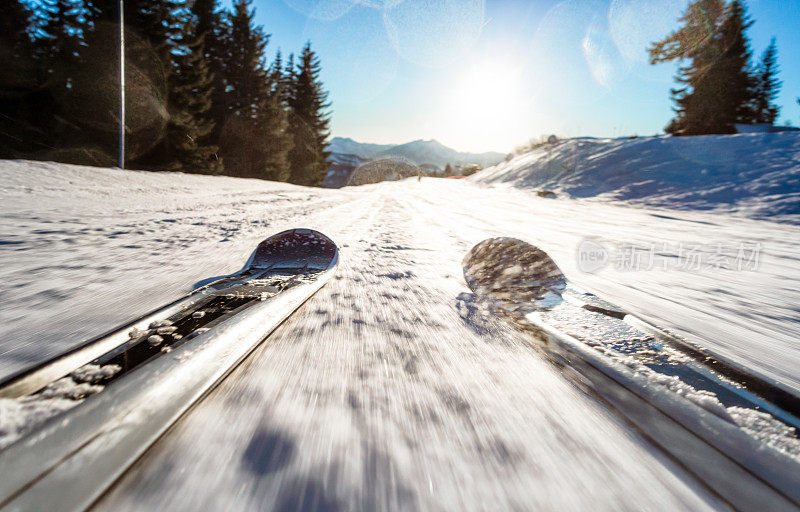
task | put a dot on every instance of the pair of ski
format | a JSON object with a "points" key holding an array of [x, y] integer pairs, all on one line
{"points": [[101, 405]]}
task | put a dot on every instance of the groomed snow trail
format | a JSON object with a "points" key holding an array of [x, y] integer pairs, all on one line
{"points": [[389, 389]]}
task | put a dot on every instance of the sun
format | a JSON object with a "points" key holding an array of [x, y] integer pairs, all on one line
{"points": [[484, 108]]}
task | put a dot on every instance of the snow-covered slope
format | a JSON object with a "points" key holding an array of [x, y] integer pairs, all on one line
{"points": [[389, 389], [756, 175], [91, 238]]}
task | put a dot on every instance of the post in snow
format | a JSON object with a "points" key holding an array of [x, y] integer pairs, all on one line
{"points": [[121, 86]]}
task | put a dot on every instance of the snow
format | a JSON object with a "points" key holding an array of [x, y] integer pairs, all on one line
{"points": [[21, 415], [389, 388], [754, 175], [116, 244], [95, 373], [757, 424], [17, 417], [770, 431], [66, 388]]}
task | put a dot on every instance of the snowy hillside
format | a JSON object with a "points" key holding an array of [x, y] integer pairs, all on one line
{"points": [[390, 382], [754, 175]]}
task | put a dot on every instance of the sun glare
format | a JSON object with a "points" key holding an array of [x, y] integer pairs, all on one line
{"points": [[485, 108]]}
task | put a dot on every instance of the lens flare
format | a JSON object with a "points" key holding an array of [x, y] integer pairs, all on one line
{"points": [[635, 24], [323, 10], [355, 46], [572, 58], [602, 57], [434, 33], [379, 4], [385, 169]]}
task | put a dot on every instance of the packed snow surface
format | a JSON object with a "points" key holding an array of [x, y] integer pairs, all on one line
{"points": [[389, 388], [755, 175]]}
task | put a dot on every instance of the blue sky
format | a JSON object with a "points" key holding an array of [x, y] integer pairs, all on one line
{"points": [[490, 75]]}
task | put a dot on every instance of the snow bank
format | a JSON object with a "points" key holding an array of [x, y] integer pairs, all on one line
{"points": [[755, 175]]}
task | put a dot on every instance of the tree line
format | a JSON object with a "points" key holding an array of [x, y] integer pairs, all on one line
{"points": [[200, 95], [719, 84]]}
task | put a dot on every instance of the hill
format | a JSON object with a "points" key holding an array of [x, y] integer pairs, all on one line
{"points": [[347, 146], [420, 152], [754, 175], [432, 152], [347, 154]]}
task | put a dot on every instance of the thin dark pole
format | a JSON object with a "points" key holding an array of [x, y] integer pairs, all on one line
{"points": [[121, 86]]}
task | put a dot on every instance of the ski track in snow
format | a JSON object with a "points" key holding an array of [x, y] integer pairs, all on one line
{"points": [[386, 393], [389, 388]]}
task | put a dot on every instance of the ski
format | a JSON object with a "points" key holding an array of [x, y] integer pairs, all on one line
{"points": [[734, 430], [88, 414]]}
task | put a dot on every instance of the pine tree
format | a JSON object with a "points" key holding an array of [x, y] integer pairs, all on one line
{"points": [[288, 78], [276, 70], [190, 90], [214, 27], [245, 81], [91, 105], [60, 41], [15, 32], [246, 76], [17, 80], [693, 42], [59, 48], [104, 11], [716, 87], [16, 47], [273, 123], [151, 27], [735, 66], [767, 86], [308, 121], [253, 140]]}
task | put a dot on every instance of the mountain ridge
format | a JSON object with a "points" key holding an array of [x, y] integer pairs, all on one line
{"points": [[421, 152]]}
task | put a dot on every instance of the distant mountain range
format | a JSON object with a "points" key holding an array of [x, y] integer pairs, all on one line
{"points": [[431, 155], [421, 152]]}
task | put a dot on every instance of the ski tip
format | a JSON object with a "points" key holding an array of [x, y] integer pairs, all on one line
{"points": [[517, 274], [295, 248]]}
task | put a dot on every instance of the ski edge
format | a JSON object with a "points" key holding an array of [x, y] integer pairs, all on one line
{"points": [[767, 479], [45, 459], [33, 378]]}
